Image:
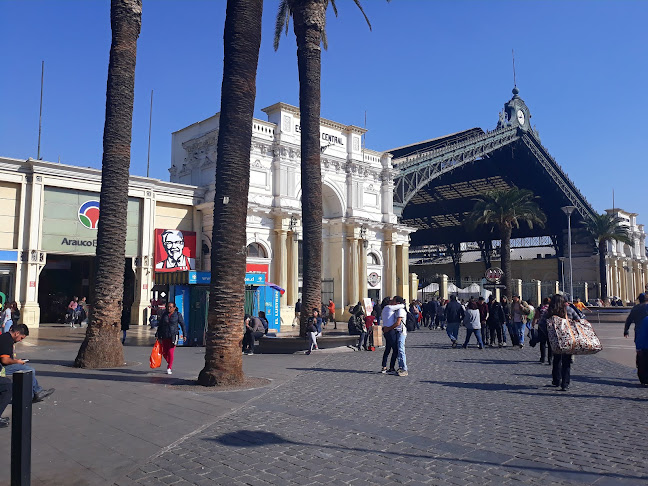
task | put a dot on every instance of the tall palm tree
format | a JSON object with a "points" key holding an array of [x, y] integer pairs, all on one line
{"points": [[601, 229], [241, 43], [505, 209], [101, 346], [309, 24]]}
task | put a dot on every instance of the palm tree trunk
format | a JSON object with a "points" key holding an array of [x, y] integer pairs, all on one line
{"points": [[101, 346], [309, 22], [602, 270], [242, 40], [505, 235]]}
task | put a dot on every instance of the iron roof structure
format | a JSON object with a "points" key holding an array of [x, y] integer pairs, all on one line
{"points": [[438, 179]]}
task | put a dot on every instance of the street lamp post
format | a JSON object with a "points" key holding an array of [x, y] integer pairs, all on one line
{"points": [[568, 210], [562, 271]]}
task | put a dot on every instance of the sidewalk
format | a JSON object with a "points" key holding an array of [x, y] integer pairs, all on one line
{"points": [[461, 417]]}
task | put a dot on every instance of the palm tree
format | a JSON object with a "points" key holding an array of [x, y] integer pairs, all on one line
{"points": [[241, 42], [101, 346], [309, 24], [505, 209], [601, 229]]}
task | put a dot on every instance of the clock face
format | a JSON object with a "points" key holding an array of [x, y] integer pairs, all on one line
{"points": [[520, 117]]}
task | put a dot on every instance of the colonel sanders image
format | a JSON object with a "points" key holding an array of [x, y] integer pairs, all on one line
{"points": [[173, 242]]}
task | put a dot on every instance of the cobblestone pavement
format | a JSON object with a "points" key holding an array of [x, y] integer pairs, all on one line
{"points": [[461, 417]]}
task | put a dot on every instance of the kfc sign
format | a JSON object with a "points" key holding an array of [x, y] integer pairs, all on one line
{"points": [[175, 250]]}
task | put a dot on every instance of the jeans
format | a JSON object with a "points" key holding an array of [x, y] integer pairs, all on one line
{"points": [[561, 371], [7, 325], [168, 351], [12, 368], [452, 329], [391, 345], [402, 359], [313, 340], [6, 387], [519, 330], [477, 333], [495, 329], [362, 342]]}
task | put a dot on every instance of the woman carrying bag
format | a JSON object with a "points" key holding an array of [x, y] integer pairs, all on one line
{"points": [[168, 332]]}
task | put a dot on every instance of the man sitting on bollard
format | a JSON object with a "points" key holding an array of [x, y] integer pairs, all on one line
{"points": [[17, 333]]}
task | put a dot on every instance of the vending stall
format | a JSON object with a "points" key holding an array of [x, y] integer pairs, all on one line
{"points": [[189, 290]]}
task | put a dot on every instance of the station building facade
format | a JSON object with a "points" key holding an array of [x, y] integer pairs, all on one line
{"points": [[365, 250], [48, 231], [49, 214]]}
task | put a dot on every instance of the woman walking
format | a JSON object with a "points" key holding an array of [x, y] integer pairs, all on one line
{"points": [[168, 331], [561, 371], [543, 338], [313, 327], [472, 321], [7, 321]]}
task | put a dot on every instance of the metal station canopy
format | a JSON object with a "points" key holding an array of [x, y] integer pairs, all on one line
{"points": [[438, 179]]}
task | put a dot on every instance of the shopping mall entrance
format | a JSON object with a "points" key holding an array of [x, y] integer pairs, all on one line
{"points": [[65, 277]]}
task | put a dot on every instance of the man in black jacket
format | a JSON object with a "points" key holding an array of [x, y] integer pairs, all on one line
{"points": [[454, 314], [495, 320]]}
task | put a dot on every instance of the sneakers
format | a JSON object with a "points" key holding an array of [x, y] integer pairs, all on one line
{"points": [[402, 372], [384, 370], [391, 371], [169, 372], [454, 344], [42, 395]]}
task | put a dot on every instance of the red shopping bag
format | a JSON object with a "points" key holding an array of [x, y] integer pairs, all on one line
{"points": [[156, 355]]}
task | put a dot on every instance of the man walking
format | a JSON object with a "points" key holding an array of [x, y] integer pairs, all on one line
{"points": [[454, 314], [483, 316], [298, 306], [400, 317], [519, 311], [331, 313], [17, 333], [495, 321]]}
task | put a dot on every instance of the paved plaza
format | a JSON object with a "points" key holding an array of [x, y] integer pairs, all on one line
{"points": [[461, 417]]}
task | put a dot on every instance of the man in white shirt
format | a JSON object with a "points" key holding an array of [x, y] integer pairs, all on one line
{"points": [[391, 338]]}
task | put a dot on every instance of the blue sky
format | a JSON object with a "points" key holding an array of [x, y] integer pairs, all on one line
{"points": [[427, 68]]}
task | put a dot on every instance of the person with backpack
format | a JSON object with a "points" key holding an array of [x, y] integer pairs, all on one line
{"points": [[454, 314]]}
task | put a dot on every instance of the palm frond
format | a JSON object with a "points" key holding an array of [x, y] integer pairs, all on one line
{"points": [[334, 7], [606, 227], [357, 2], [283, 20]]}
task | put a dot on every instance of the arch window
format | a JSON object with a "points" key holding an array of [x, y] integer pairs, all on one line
{"points": [[372, 259], [255, 250]]}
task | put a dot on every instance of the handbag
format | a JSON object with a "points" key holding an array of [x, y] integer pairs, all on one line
{"points": [[156, 355], [572, 336]]}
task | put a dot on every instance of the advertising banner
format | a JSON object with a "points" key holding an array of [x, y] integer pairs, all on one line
{"points": [[175, 250]]}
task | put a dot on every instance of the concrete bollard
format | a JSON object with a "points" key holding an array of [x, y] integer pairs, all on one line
{"points": [[21, 428]]}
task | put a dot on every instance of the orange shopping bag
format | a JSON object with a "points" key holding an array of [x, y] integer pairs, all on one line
{"points": [[156, 355]]}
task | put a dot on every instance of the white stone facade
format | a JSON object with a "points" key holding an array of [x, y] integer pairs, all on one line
{"points": [[627, 265], [364, 249]]}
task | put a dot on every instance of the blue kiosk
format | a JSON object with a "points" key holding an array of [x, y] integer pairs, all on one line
{"points": [[189, 290]]}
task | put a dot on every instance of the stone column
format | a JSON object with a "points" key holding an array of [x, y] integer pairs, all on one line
{"points": [[280, 261], [363, 269], [537, 292], [352, 272], [402, 270], [516, 283], [293, 268], [33, 260], [586, 290], [390, 269], [556, 288], [413, 287], [443, 287]]}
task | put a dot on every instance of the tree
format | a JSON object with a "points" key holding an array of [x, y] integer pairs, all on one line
{"points": [[241, 43], [101, 346], [505, 209], [309, 24], [601, 229]]}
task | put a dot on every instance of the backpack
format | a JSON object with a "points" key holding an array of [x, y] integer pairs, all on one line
{"points": [[15, 315], [410, 322]]}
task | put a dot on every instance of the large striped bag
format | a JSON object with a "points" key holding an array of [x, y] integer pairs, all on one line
{"points": [[568, 336]]}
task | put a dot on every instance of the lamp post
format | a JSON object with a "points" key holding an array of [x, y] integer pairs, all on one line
{"points": [[562, 271], [568, 210]]}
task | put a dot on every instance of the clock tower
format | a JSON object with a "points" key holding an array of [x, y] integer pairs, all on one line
{"points": [[516, 113]]}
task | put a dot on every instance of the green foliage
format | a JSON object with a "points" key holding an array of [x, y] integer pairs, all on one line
{"points": [[606, 227], [284, 13], [506, 208]]}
